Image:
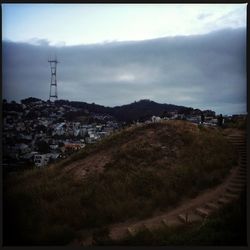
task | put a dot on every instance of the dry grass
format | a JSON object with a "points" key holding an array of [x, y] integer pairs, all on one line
{"points": [[148, 168]]}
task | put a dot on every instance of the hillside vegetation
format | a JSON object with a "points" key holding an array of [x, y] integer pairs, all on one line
{"points": [[127, 176]]}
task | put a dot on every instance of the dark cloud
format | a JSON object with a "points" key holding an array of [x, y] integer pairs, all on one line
{"points": [[202, 71]]}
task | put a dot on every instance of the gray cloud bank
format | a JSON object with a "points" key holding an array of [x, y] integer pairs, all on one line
{"points": [[202, 71]]}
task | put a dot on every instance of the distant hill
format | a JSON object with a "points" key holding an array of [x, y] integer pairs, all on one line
{"points": [[138, 110], [144, 109]]}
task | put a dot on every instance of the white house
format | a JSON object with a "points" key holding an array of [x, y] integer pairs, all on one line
{"points": [[59, 130], [41, 160], [155, 118]]}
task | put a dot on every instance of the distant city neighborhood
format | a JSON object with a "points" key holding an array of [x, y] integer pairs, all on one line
{"points": [[36, 132]]}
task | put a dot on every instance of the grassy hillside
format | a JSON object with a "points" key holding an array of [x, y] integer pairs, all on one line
{"points": [[128, 175]]}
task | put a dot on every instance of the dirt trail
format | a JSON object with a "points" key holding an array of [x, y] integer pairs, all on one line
{"points": [[92, 163], [192, 210]]}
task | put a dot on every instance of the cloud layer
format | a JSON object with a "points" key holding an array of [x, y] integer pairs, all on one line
{"points": [[202, 71]]}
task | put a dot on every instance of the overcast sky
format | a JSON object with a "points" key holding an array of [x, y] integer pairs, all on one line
{"points": [[114, 54]]}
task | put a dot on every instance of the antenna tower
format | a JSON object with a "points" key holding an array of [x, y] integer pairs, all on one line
{"points": [[53, 82]]}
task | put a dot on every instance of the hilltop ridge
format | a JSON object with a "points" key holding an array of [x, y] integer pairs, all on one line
{"points": [[137, 111]]}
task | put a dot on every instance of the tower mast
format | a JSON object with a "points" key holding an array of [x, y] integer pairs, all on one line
{"points": [[53, 81]]}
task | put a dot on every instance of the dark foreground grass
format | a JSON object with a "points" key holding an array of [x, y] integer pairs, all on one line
{"points": [[151, 168]]}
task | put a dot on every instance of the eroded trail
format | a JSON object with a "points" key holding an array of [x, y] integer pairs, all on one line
{"points": [[192, 210]]}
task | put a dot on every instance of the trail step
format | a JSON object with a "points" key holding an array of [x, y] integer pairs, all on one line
{"points": [[238, 181], [244, 161], [234, 190], [239, 174], [223, 201], [242, 167], [242, 171], [243, 164], [134, 229], [235, 140], [171, 222], [153, 226], [164, 222], [202, 211], [236, 184], [240, 139], [242, 153], [189, 217], [240, 177], [183, 218], [212, 205], [237, 143], [231, 196]]}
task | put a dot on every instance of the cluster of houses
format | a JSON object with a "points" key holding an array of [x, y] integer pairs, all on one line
{"points": [[209, 118], [37, 133]]}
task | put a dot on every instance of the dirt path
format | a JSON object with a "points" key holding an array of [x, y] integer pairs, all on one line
{"points": [[192, 210], [92, 163]]}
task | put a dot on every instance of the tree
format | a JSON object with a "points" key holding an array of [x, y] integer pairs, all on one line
{"points": [[43, 147], [30, 100], [220, 120], [202, 118]]}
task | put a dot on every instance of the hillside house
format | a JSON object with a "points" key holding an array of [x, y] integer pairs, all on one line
{"points": [[155, 118], [22, 148], [72, 146], [60, 129], [41, 160]]}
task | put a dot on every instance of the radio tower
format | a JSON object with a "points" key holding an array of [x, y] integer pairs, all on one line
{"points": [[53, 82]]}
